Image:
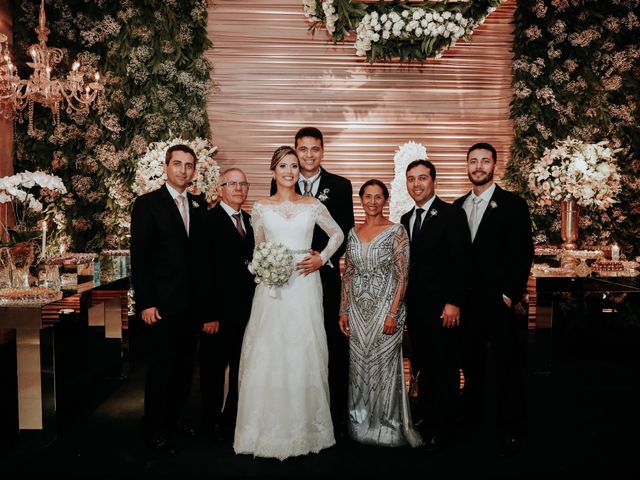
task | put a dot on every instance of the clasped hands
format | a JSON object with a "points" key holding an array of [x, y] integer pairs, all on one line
{"points": [[389, 328], [310, 263]]}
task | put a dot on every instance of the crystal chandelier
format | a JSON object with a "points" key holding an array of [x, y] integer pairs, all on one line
{"points": [[73, 94]]}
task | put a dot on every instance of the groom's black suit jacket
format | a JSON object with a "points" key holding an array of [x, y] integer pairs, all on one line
{"points": [[165, 261], [502, 250]]}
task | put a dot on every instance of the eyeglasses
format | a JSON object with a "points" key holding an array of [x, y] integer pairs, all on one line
{"points": [[233, 185]]}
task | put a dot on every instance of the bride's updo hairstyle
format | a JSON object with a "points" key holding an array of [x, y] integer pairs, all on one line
{"points": [[280, 153]]}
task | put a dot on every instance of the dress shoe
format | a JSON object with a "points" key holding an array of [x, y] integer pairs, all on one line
{"points": [[161, 444], [509, 445], [185, 429], [434, 444]]}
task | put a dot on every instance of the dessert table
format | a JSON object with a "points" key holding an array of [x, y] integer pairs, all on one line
{"points": [[102, 303]]}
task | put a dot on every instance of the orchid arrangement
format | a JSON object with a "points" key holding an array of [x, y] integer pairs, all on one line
{"points": [[32, 196]]}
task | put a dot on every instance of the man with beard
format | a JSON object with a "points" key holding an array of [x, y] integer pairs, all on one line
{"points": [[494, 326]]}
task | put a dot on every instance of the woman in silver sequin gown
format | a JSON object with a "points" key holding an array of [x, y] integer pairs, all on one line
{"points": [[372, 315]]}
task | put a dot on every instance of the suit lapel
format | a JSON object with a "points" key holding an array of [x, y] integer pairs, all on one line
{"points": [[247, 225], [322, 183], [488, 211], [427, 217]]}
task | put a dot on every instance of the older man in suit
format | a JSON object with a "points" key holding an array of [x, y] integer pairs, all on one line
{"points": [[495, 324], [167, 233], [230, 248], [336, 193], [439, 270]]}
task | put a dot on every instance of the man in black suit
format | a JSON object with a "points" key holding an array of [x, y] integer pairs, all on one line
{"points": [[438, 272], [230, 248], [167, 232], [336, 193], [496, 321]]}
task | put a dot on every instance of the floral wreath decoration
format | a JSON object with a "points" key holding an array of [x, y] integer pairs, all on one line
{"points": [[150, 174], [405, 30]]}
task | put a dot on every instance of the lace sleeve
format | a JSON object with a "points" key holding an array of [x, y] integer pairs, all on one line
{"points": [[331, 228], [400, 268], [345, 297], [256, 223]]}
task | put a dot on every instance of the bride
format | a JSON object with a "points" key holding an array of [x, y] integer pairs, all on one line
{"points": [[283, 405]]}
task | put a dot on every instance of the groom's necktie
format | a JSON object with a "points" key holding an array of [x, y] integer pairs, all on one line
{"points": [[417, 223], [474, 222], [182, 208], [308, 186], [238, 219]]}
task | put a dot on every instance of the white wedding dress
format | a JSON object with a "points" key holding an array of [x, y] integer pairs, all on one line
{"points": [[283, 405]]}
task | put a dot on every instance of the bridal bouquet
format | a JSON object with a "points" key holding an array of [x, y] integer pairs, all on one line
{"points": [[272, 264], [586, 172]]}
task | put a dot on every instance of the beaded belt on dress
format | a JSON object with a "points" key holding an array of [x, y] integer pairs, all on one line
{"points": [[299, 252]]}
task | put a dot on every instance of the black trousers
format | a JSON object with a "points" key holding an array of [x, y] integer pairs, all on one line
{"points": [[169, 371], [338, 346], [434, 354], [217, 351], [494, 340]]}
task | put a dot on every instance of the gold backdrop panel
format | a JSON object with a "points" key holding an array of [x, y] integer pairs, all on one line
{"points": [[273, 77]]}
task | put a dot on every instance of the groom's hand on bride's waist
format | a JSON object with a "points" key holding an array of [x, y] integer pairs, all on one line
{"points": [[310, 263]]}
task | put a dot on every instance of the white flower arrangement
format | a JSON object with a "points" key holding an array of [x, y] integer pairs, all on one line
{"points": [[429, 28], [27, 191], [150, 174], [572, 168], [410, 24], [401, 202], [272, 264]]}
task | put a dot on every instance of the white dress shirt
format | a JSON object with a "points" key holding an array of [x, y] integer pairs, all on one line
{"points": [[174, 193], [230, 211], [482, 206], [426, 208]]}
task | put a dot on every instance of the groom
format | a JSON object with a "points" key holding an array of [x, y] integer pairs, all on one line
{"points": [[336, 193], [167, 244]]}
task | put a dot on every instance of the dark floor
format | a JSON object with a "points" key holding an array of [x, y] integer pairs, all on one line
{"points": [[584, 417]]}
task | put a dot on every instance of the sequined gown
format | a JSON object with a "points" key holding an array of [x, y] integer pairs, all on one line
{"points": [[283, 405], [375, 274]]}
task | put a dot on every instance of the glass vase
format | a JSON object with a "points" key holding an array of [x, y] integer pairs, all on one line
{"points": [[569, 218], [22, 255]]}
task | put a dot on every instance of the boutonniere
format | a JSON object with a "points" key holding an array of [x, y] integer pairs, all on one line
{"points": [[433, 212], [493, 204], [195, 204], [324, 195]]}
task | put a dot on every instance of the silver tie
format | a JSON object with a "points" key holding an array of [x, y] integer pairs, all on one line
{"points": [[475, 217], [182, 208]]}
